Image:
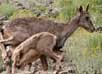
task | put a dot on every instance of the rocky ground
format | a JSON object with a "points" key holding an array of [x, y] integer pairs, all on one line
{"points": [[67, 68]]}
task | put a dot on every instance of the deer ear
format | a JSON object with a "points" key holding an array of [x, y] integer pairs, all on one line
{"points": [[80, 9], [87, 8]]}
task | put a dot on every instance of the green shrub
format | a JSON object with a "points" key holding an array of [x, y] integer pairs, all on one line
{"points": [[96, 42], [94, 45], [22, 13], [6, 9], [41, 8], [67, 9]]}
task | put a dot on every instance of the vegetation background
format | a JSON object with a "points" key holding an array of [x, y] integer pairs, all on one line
{"points": [[83, 49]]}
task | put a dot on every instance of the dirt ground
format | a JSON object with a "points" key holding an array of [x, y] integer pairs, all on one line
{"points": [[66, 68]]}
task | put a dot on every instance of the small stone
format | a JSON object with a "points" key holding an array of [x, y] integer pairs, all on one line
{"points": [[63, 72]]}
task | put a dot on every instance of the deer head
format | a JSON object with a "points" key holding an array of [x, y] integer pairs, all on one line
{"points": [[84, 19]]}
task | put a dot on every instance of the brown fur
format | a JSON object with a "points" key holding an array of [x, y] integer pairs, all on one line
{"points": [[35, 46], [31, 56], [33, 41], [23, 28]]}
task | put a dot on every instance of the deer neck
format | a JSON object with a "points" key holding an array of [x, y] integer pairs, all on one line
{"points": [[70, 27]]}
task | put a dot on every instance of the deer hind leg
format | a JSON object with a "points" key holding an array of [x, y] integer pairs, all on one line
{"points": [[14, 67]]}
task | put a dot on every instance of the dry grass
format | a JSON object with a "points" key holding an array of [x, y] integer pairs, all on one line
{"points": [[80, 50]]}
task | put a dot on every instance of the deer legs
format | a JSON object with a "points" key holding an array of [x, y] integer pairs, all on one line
{"points": [[33, 56], [5, 54], [56, 57], [37, 46], [44, 62]]}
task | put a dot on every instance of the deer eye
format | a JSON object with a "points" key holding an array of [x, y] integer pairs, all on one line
{"points": [[87, 18]]}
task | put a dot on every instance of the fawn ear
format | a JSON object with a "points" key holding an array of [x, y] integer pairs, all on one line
{"points": [[80, 9], [87, 8]]}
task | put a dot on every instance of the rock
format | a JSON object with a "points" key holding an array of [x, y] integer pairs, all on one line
{"points": [[2, 19], [67, 68], [6, 21], [63, 72], [72, 69], [45, 72], [99, 29]]}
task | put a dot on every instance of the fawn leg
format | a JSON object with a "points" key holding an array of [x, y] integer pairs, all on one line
{"points": [[8, 69], [15, 62], [7, 65]]}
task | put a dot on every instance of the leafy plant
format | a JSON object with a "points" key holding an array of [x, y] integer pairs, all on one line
{"points": [[22, 13], [6, 9], [95, 44]]}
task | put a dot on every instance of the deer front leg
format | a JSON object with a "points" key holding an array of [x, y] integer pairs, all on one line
{"points": [[29, 66], [52, 54], [58, 52], [44, 62], [58, 59], [6, 40]]}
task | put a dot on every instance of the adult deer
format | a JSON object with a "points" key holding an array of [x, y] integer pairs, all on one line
{"points": [[22, 28]]}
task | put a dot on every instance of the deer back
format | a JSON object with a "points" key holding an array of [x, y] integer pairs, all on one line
{"points": [[22, 28]]}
